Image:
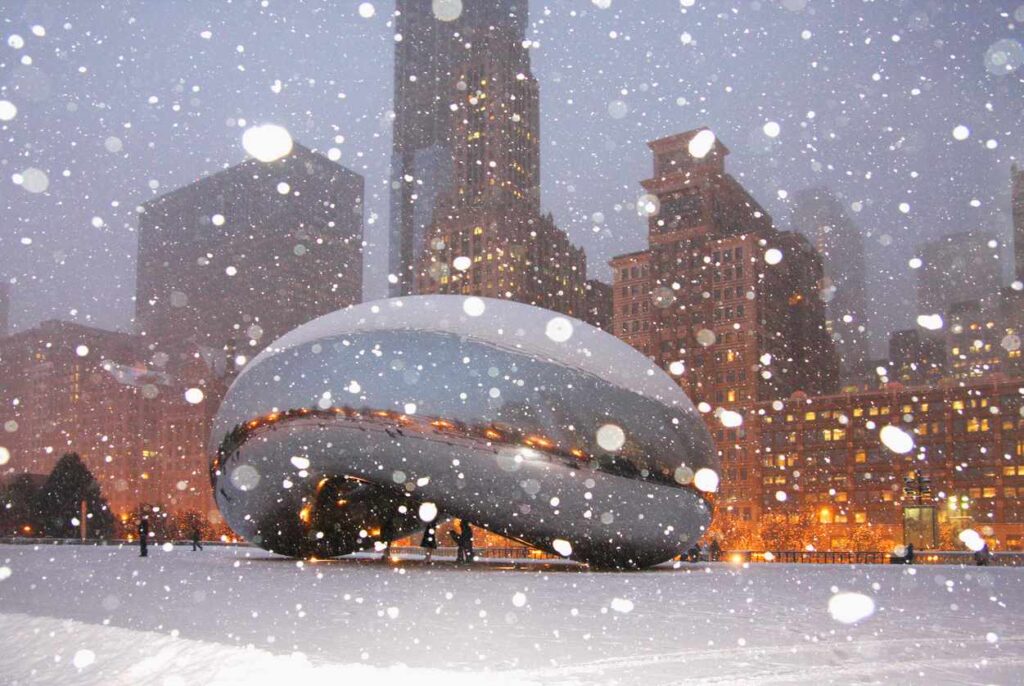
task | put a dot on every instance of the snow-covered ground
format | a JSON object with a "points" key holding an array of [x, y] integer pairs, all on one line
{"points": [[101, 615]]}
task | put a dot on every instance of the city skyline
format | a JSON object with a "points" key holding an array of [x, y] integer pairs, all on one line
{"points": [[203, 142]]}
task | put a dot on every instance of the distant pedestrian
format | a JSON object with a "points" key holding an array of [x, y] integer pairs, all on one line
{"points": [[196, 543], [387, 535], [714, 551], [983, 557], [908, 559], [465, 542], [429, 540], [455, 539], [143, 537]]}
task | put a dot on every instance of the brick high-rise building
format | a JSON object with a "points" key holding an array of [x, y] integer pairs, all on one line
{"points": [[71, 388], [958, 267], [826, 456], [819, 215], [428, 59], [632, 301], [241, 257], [1017, 195], [487, 235], [722, 300], [728, 298]]}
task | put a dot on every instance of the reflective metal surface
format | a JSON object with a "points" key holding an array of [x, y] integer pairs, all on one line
{"points": [[527, 423]]}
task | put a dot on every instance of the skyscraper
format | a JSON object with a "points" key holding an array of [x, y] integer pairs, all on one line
{"points": [[1018, 219], [820, 216], [237, 259], [958, 267], [727, 301], [487, 235], [724, 302], [428, 58]]}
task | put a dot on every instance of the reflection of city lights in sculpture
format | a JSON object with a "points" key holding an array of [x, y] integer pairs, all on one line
{"points": [[372, 418]]}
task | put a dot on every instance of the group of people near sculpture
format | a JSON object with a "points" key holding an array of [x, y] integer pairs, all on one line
{"points": [[463, 539]]}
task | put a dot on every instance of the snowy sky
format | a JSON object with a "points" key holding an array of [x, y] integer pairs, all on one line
{"points": [[118, 102]]}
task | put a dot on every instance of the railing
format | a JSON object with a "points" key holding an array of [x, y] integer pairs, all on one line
{"points": [[490, 553], [924, 557], [44, 540], [523, 553]]}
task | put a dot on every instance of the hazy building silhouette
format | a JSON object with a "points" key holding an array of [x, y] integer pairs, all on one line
{"points": [[5, 308], [488, 236], [428, 59], [235, 260], [916, 358], [826, 462], [1017, 193], [820, 216], [960, 266]]}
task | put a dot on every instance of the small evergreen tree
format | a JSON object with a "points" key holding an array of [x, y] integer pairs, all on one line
{"points": [[59, 501]]}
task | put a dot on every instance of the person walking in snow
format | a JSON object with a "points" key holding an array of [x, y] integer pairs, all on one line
{"points": [[714, 551], [429, 540], [908, 559], [467, 540], [464, 540], [983, 557], [143, 536], [196, 544]]}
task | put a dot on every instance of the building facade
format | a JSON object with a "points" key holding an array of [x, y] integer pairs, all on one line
{"points": [[71, 388], [819, 215], [916, 358], [826, 457], [632, 301], [239, 258], [983, 337], [488, 236], [722, 301], [961, 266], [428, 59]]}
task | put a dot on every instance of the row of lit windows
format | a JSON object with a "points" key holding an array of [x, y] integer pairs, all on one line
{"points": [[634, 272]]}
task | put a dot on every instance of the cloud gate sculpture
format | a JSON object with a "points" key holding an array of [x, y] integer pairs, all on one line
{"points": [[527, 423]]}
